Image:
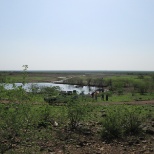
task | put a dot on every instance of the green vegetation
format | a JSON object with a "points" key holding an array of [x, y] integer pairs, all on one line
{"points": [[27, 123], [123, 87], [122, 121], [29, 120]]}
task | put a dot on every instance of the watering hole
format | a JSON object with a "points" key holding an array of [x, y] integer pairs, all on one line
{"points": [[62, 87]]}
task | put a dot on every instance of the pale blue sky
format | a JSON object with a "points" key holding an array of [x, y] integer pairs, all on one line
{"points": [[77, 34]]}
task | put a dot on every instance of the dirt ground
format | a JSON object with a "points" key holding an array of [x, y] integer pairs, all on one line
{"points": [[150, 102], [90, 143]]}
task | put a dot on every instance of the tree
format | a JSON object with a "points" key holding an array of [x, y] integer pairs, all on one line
{"points": [[25, 67]]}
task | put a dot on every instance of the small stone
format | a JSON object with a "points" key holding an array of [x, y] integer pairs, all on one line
{"points": [[55, 124], [78, 146], [102, 149], [144, 141], [144, 147]]}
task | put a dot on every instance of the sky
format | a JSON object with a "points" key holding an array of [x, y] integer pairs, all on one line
{"points": [[77, 34]]}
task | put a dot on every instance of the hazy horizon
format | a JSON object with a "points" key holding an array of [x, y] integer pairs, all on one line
{"points": [[77, 35], [101, 71]]}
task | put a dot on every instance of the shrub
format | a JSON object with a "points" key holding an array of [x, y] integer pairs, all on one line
{"points": [[131, 124], [120, 91], [76, 113], [44, 119], [16, 120], [121, 122], [111, 126]]}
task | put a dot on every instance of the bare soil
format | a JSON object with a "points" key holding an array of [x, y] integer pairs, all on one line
{"points": [[149, 102]]}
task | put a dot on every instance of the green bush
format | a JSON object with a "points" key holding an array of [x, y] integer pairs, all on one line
{"points": [[76, 113], [111, 126], [131, 124], [120, 122], [44, 119], [16, 121]]}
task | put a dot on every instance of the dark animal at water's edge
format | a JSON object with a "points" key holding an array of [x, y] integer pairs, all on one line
{"points": [[100, 92], [68, 92], [74, 91], [63, 92], [107, 97], [95, 95]]}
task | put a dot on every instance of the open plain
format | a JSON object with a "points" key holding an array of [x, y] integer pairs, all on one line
{"points": [[48, 121]]}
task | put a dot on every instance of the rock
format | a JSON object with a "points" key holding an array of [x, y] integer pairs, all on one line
{"points": [[144, 141], [101, 149], [87, 133], [82, 143], [55, 124], [78, 146], [144, 147]]}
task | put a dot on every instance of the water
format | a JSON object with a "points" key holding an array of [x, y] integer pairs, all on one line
{"points": [[63, 87]]}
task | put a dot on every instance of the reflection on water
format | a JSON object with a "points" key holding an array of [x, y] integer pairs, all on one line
{"points": [[63, 87]]}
